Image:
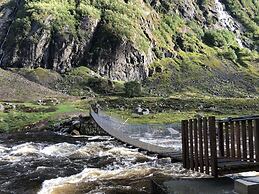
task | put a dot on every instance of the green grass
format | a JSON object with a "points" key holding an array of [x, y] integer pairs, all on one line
{"points": [[16, 120], [161, 118], [180, 107]]}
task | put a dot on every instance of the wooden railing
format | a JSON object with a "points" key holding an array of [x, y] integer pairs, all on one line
{"points": [[222, 146]]}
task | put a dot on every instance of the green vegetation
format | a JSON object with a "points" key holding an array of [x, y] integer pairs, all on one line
{"points": [[220, 38], [26, 114], [175, 109], [14, 87], [120, 18], [247, 12], [132, 89], [191, 55], [80, 81]]}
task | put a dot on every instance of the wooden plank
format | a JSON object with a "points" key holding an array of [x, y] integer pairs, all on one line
{"points": [[232, 131], [238, 139], [213, 146], [195, 134], [257, 139], [187, 145], [244, 139], [250, 140], [184, 156], [206, 146], [238, 164], [220, 160], [221, 140], [200, 145], [191, 144], [227, 139]]}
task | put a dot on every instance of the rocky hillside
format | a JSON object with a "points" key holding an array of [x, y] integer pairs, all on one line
{"points": [[171, 45], [14, 87]]}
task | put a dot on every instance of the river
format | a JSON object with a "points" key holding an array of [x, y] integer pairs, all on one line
{"points": [[48, 162]]}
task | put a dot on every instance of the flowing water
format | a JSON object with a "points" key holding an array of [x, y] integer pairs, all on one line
{"points": [[46, 162], [228, 22]]}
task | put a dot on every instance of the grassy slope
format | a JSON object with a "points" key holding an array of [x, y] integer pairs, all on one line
{"points": [[14, 87], [199, 66], [197, 51], [29, 113], [175, 109]]}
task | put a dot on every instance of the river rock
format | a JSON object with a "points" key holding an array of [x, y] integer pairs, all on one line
{"points": [[2, 108], [145, 111], [75, 132]]}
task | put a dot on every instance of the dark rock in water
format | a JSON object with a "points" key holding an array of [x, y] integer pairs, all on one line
{"points": [[79, 126], [66, 130], [100, 162], [75, 132]]}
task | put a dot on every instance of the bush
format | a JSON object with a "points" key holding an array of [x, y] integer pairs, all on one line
{"points": [[230, 54], [100, 85], [219, 38], [132, 89]]}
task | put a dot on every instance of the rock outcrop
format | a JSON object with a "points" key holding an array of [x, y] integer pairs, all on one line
{"points": [[118, 40], [41, 46]]}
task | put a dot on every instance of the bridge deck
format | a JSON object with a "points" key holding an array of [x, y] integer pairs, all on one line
{"points": [[121, 136]]}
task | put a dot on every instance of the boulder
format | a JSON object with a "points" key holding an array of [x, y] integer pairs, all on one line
{"points": [[2, 108], [138, 110], [145, 111]]}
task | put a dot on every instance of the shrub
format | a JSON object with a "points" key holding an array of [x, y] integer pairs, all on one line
{"points": [[219, 38], [230, 54], [100, 85], [132, 89]]}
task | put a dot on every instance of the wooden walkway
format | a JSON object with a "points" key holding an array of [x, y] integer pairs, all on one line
{"points": [[110, 129]]}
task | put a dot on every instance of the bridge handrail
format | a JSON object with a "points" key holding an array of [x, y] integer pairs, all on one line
{"points": [[206, 141], [243, 118]]}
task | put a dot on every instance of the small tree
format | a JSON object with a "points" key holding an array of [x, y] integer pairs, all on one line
{"points": [[132, 89]]}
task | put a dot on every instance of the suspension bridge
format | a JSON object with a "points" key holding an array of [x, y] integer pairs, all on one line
{"points": [[130, 134], [207, 145]]}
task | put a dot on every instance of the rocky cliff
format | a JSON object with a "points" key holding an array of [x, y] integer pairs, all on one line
{"points": [[147, 40]]}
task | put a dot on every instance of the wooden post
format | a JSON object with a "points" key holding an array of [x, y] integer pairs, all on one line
{"points": [[221, 140], [232, 131], [200, 145], [257, 139], [196, 160], [187, 144], [206, 146], [238, 140], [213, 147], [244, 139], [184, 143], [191, 144], [227, 139], [250, 140]]}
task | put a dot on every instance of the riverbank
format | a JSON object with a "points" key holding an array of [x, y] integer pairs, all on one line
{"points": [[31, 115]]}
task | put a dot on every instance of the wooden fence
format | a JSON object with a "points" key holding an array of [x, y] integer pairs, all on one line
{"points": [[222, 146]]}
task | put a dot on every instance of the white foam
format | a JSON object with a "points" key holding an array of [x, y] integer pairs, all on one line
{"points": [[59, 150], [25, 149], [227, 21], [90, 175], [125, 152]]}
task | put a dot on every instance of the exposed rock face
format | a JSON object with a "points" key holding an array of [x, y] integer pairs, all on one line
{"points": [[111, 53], [6, 18], [116, 58], [50, 49], [106, 53]]}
